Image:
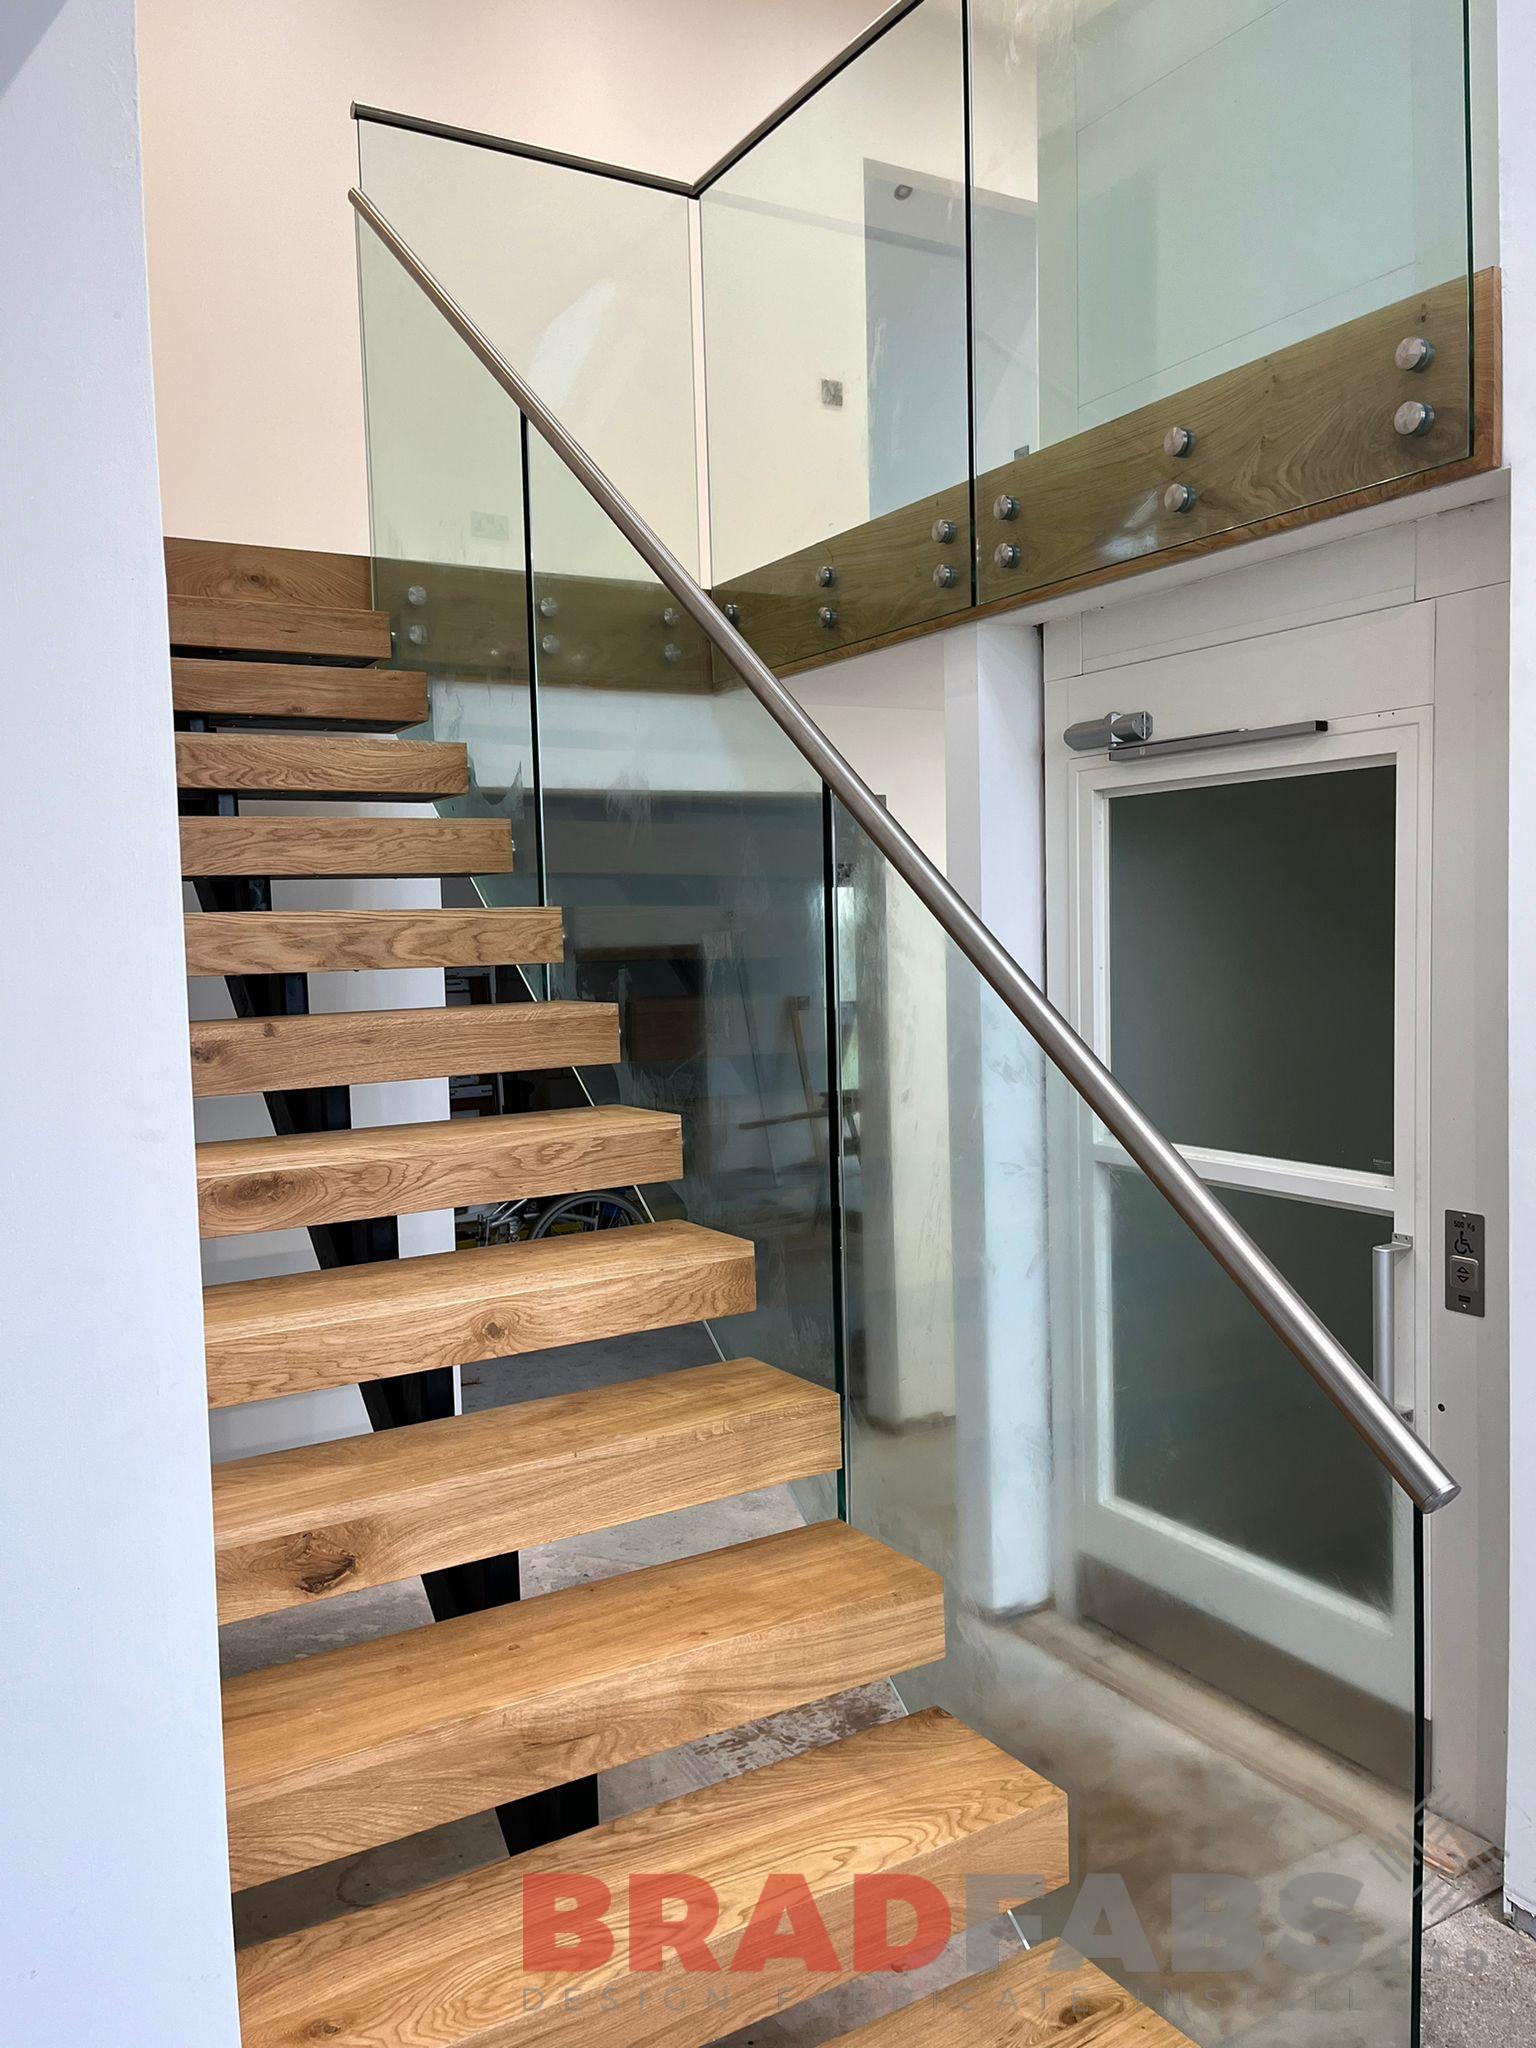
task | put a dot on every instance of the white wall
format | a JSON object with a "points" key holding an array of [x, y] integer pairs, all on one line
{"points": [[249, 150], [114, 1884], [1517, 65]]}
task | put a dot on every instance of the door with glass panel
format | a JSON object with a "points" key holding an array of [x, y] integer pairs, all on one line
{"points": [[1245, 954]]}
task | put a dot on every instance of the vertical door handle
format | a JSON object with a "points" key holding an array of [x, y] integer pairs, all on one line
{"points": [[1384, 1258]]}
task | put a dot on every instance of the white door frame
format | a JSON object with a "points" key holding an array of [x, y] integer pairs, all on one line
{"points": [[1319, 1625]]}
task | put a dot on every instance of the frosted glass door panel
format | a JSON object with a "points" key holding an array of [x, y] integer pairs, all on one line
{"points": [[1251, 940]]}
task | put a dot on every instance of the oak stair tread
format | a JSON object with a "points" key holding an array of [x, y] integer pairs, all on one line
{"points": [[240, 570], [327, 941], [358, 1746], [282, 1183], [320, 765], [377, 699], [345, 847], [1044, 1996], [294, 1332], [248, 1055], [268, 626], [300, 1525], [921, 1797]]}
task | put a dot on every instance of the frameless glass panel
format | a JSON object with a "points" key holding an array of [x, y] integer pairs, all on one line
{"points": [[1226, 1722], [1242, 208], [583, 282], [445, 479], [1251, 963], [683, 839], [834, 266]]}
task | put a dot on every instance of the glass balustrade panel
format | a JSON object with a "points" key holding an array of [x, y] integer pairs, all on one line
{"points": [[683, 837], [1178, 1584], [834, 284], [1238, 212], [583, 281], [445, 482]]}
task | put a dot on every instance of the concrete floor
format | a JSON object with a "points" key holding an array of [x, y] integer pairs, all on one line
{"points": [[1479, 1982]]}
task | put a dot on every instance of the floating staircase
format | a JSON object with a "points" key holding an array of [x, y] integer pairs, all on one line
{"points": [[501, 1702]]}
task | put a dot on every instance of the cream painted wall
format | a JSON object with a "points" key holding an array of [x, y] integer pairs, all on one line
{"points": [[249, 150]]}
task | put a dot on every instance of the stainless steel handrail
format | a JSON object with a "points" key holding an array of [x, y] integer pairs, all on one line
{"points": [[1410, 1461]]}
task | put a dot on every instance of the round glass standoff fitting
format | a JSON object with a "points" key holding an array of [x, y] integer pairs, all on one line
{"points": [[733, 613], [946, 575], [1005, 507], [416, 633], [1180, 498], [549, 643], [671, 615], [548, 606], [1179, 441], [1413, 418], [826, 576], [1008, 555], [944, 531], [671, 652], [827, 616], [417, 594], [1415, 352]]}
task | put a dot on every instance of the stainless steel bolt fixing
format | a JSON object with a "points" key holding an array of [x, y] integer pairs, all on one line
{"points": [[1415, 352], [826, 576], [944, 531], [827, 616], [1180, 498], [1007, 555], [946, 576], [1178, 441], [1005, 507], [1413, 418]]}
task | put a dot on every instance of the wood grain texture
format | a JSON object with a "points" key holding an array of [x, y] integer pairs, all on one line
{"points": [[383, 699], [316, 764], [341, 847], [246, 1184], [265, 627], [1101, 462], [884, 579], [246, 1055], [607, 632], [923, 1797], [343, 1751], [324, 941], [235, 570], [297, 1331], [1044, 1996], [1300, 427], [300, 1525]]}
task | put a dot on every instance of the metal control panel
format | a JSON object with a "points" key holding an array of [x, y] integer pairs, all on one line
{"points": [[1465, 1262]]}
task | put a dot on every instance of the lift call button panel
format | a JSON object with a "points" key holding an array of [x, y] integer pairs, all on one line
{"points": [[1464, 1265]]}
